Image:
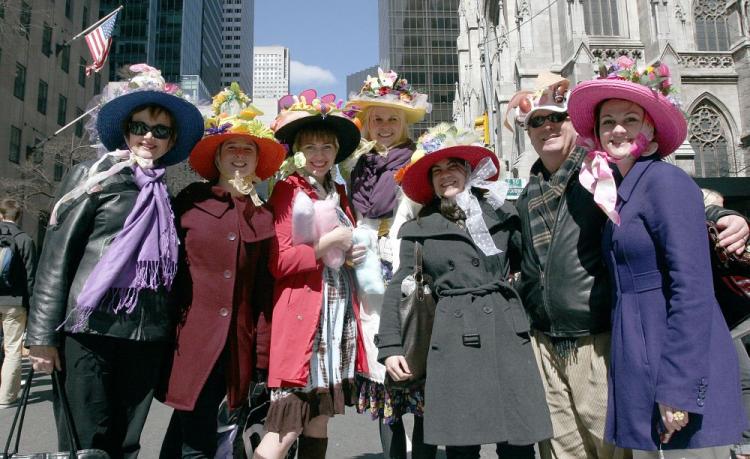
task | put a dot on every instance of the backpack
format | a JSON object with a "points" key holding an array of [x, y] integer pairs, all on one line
{"points": [[8, 257]]}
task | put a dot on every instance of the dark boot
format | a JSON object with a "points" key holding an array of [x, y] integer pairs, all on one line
{"points": [[312, 448]]}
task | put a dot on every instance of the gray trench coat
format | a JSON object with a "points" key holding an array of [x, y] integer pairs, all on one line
{"points": [[483, 384]]}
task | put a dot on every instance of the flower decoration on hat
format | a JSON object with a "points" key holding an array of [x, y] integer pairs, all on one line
{"points": [[657, 76], [550, 92], [388, 90]]}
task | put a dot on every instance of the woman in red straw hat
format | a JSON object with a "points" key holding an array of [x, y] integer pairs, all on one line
{"points": [[482, 383], [223, 283], [674, 385]]}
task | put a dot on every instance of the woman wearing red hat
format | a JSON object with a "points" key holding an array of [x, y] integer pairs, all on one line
{"points": [[223, 283], [482, 383], [673, 382]]}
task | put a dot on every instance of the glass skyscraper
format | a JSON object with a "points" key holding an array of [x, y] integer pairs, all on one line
{"points": [[418, 40]]}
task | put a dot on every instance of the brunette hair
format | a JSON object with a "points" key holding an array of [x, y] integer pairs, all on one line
{"points": [[322, 132], [154, 110], [10, 209]]}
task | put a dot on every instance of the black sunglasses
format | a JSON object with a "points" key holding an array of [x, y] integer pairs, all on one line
{"points": [[554, 117], [159, 131]]}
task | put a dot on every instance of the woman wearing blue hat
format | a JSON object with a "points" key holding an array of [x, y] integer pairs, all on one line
{"points": [[99, 310]]}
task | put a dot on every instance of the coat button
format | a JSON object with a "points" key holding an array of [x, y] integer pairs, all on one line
{"points": [[223, 312], [299, 316], [487, 309], [227, 274], [458, 313], [451, 265], [307, 288], [231, 236], [700, 402], [475, 262]]}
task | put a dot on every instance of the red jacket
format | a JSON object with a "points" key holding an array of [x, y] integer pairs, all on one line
{"points": [[298, 295], [224, 289]]}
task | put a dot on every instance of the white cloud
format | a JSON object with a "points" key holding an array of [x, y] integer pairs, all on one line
{"points": [[309, 75]]}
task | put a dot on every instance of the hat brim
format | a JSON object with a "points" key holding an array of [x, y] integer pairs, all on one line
{"points": [[417, 184], [203, 157], [189, 122], [670, 125], [413, 115], [347, 132]]}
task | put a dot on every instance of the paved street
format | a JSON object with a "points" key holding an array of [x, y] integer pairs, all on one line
{"points": [[351, 436]]}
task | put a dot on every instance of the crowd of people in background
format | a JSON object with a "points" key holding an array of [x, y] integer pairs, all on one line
{"points": [[576, 322]]}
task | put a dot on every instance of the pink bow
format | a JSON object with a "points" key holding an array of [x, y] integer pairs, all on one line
{"points": [[596, 176]]}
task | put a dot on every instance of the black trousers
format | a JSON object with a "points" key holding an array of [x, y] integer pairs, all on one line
{"points": [[504, 451], [110, 384], [192, 434]]}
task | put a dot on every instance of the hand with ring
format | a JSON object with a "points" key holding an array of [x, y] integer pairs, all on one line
{"points": [[673, 419]]}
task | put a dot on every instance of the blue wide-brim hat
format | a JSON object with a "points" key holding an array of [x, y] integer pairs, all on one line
{"points": [[188, 120]]}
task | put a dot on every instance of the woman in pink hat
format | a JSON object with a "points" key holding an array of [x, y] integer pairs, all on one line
{"points": [[386, 106], [482, 384], [673, 383], [316, 340]]}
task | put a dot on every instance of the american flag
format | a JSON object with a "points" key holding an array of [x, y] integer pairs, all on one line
{"points": [[99, 40]]}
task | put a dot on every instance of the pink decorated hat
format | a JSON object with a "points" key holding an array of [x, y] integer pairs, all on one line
{"points": [[650, 88]]}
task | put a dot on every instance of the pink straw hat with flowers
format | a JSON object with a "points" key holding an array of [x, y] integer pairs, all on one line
{"points": [[650, 88]]}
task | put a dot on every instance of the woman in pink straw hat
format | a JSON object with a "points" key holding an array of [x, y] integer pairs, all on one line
{"points": [[674, 384], [316, 340], [223, 286], [482, 384], [386, 105]]}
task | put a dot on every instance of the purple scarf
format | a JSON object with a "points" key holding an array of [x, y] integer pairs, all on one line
{"points": [[373, 185], [143, 255]]}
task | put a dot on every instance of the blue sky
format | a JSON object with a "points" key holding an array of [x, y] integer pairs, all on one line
{"points": [[327, 39]]}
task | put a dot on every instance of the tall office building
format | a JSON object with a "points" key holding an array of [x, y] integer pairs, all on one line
{"points": [[270, 79], [418, 40], [354, 81], [200, 53], [237, 43], [44, 88]]}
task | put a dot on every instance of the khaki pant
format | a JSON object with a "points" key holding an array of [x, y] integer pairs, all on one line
{"points": [[14, 324], [719, 452], [576, 390]]}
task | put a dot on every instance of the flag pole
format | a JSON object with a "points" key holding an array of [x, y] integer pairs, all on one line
{"points": [[82, 115], [87, 30]]}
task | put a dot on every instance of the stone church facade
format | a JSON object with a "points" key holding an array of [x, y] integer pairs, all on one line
{"points": [[504, 44]]}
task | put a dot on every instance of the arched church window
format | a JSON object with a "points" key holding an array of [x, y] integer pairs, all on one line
{"points": [[711, 30], [711, 141], [600, 17]]}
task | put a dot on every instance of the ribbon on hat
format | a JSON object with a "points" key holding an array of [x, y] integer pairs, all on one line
{"points": [[496, 193]]}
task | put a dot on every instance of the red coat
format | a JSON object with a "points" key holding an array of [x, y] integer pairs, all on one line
{"points": [[224, 289], [298, 295]]}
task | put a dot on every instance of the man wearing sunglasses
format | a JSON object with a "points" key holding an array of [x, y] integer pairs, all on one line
{"points": [[564, 283]]}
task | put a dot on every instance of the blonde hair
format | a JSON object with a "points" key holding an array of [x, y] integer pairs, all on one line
{"points": [[401, 116]]}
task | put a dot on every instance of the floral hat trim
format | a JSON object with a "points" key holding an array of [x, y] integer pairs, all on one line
{"points": [[551, 93], [309, 103], [442, 136], [656, 77], [234, 114], [388, 87], [233, 101]]}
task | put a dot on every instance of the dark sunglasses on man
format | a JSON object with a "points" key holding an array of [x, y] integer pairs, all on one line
{"points": [[159, 131], [554, 117]]}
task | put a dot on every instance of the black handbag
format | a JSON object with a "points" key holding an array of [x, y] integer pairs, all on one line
{"points": [[417, 315], [76, 453], [731, 275]]}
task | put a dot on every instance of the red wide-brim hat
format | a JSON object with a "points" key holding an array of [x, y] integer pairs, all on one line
{"points": [[670, 125], [203, 157], [417, 181]]}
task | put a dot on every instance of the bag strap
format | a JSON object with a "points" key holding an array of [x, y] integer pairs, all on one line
{"points": [[69, 426], [19, 417], [418, 276]]}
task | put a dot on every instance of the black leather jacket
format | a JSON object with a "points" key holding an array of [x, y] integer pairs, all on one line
{"points": [[571, 295], [72, 248]]}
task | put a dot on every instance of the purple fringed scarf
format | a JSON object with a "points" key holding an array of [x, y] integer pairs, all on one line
{"points": [[373, 185], [143, 255]]}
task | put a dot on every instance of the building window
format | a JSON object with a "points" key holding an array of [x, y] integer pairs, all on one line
{"points": [[25, 19], [59, 169], [2, 10], [14, 150], [65, 59], [711, 30], [711, 143], [47, 40], [41, 100], [19, 84], [600, 17], [79, 123], [82, 72], [85, 20], [97, 83], [69, 9], [62, 110]]}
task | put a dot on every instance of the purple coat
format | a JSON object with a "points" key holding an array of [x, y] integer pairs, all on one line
{"points": [[670, 343]]}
